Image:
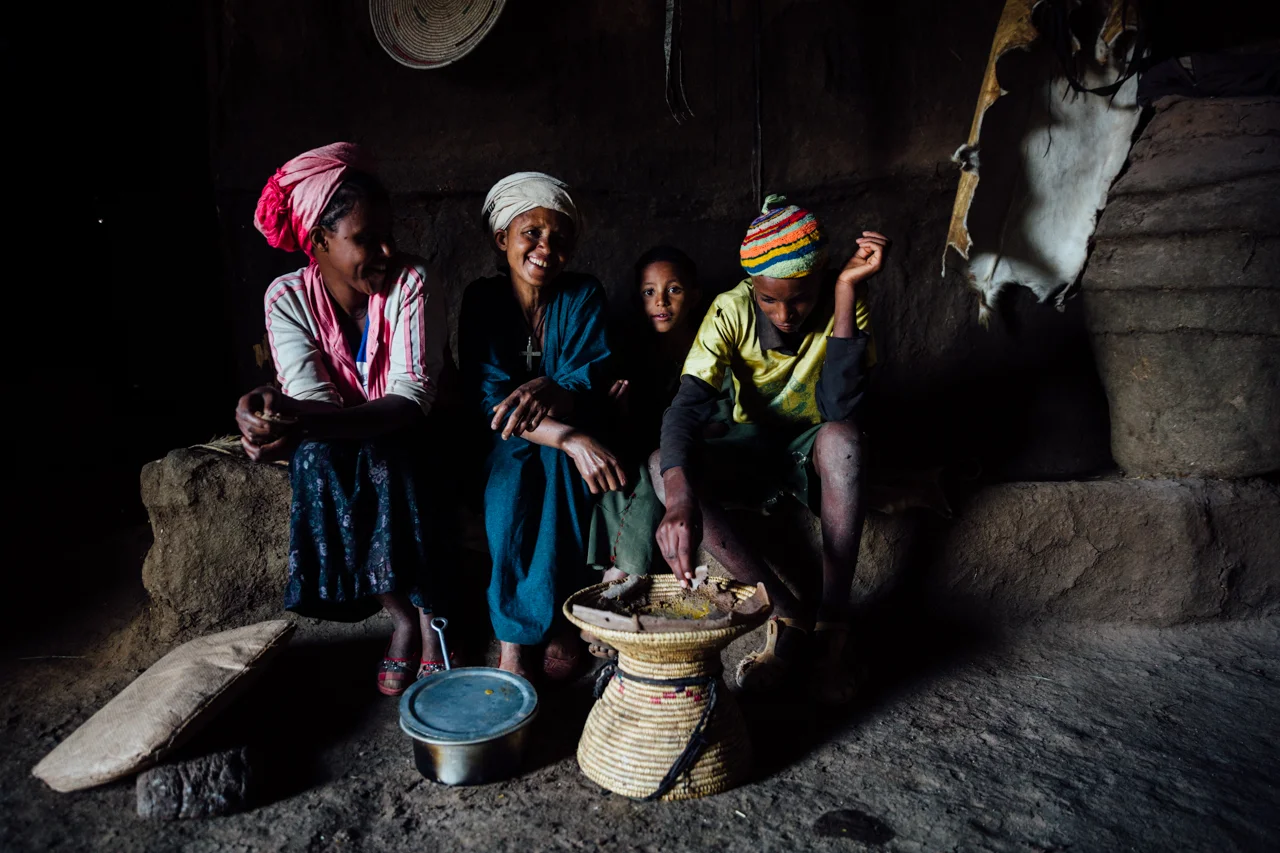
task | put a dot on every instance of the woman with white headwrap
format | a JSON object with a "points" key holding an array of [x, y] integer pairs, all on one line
{"points": [[534, 352]]}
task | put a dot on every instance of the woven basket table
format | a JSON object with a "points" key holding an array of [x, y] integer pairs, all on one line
{"points": [[657, 698]]}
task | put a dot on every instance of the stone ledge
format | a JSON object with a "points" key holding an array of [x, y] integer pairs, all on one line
{"points": [[1147, 551], [1151, 551]]}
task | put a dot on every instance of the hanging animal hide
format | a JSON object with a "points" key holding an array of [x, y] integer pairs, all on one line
{"points": [[1049, 153]]}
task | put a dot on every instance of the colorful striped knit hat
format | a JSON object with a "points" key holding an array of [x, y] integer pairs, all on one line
{"points": [[785, 241]]}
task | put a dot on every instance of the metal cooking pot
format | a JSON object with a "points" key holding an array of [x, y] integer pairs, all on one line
{"points": [[468, 725]]}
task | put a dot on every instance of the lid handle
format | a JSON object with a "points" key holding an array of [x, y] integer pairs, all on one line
{"points": [[438, 624]]}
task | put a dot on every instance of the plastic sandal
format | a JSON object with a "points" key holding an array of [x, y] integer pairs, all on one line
{"points": [[429, 667], [835, 684], [766, 669], [393, 676]]}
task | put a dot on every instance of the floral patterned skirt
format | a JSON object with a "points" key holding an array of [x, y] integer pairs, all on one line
{"points": [[359, 527]]}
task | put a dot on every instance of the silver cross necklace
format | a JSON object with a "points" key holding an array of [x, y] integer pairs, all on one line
{"points": [[529, 352]]}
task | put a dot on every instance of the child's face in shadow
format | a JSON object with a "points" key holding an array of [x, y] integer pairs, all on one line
{"points": [[667, 296], [787, 302]]}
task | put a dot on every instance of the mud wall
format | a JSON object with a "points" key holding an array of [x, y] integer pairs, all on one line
{"points": [[860, 107]]}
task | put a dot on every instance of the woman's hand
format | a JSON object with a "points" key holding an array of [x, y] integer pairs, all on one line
{"points": [[266, 419], [526, 406], [281, 448], [620, 394], [595, 463], [680, 532], [866, 261]]}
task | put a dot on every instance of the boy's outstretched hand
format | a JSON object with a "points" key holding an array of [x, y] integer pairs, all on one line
{"points": [[680, 532], [866, 261]]}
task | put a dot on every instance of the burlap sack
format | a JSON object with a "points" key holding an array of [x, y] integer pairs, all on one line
{"points": [[162, 707]]}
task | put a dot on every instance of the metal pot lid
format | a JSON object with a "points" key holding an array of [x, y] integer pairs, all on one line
{"points": [[467, 705]]}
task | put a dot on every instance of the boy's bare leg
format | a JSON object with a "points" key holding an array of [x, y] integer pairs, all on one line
{"points": [[838, 458], [723, 542]]}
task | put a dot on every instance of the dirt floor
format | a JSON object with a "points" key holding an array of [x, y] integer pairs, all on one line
{"points": [[1101, 738]]}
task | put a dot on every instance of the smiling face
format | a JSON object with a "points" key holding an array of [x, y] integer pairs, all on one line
{"points": [[787, 302], [537, 246], [358, 251], [666, 294]]}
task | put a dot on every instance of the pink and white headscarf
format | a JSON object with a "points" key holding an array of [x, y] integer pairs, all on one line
{"points": [[296, 195]]}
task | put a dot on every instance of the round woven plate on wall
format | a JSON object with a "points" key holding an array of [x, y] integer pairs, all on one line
{"points": [[432, 33]]}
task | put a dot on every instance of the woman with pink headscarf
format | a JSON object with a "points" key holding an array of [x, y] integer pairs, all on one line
{"points": [[358, 338]]}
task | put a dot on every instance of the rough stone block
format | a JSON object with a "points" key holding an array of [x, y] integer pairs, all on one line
{"points": [[209, 786], [221, 538]]}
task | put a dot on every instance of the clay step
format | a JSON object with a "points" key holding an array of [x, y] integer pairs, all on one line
{"points": [[1150, 551], [1246, 205], [1214, 261]]}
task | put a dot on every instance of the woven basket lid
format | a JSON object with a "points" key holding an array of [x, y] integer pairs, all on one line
{"points": [[432, 33]]}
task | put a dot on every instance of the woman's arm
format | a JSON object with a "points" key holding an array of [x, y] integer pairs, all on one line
{"points": [[268, 416], [367, 420], [289, 421], [527, 406], [301, 371], [595, 463], [309, 406], [418, 338], [413, 374], [584, 353]]}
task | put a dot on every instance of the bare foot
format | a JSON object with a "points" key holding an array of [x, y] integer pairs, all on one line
{"points": [[562, 656], [598, 647], [836, 680], [511, 659], [611, 575]]}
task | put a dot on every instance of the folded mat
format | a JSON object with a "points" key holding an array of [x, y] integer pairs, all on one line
{"points": [[162, 708]]}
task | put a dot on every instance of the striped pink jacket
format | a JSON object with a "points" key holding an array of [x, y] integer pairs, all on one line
{"points": [[408, 330]]}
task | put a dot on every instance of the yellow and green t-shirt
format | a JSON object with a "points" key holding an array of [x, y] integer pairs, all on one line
{"points": [[772, 383]]}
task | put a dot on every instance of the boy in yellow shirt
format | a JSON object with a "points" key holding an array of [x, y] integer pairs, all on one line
{"points": [[798, 347]]}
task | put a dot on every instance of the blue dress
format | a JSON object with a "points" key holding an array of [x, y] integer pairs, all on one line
{"points": [[536, 506]]}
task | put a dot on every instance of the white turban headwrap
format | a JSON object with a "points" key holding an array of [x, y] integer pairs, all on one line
{"points": [[522, 192]]}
